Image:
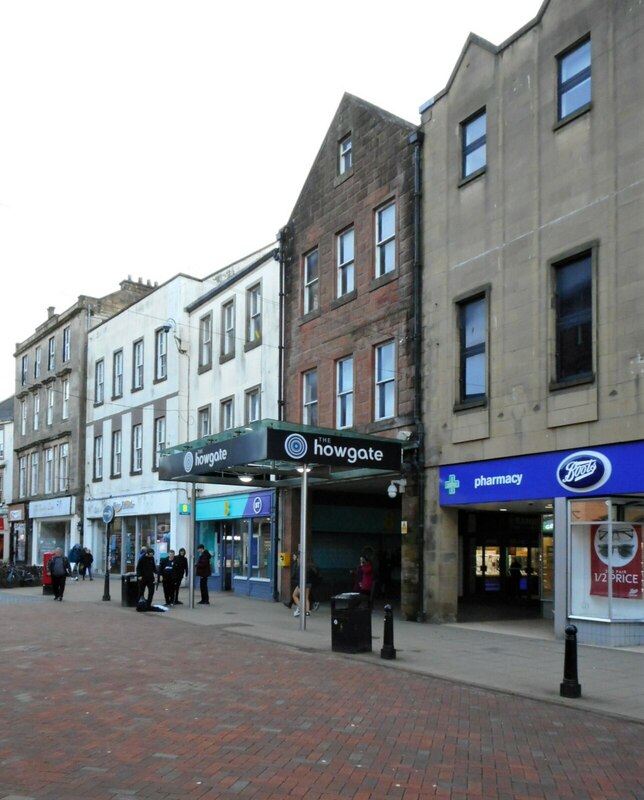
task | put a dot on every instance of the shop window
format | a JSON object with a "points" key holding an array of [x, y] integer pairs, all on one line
{"points": [[260, 556]]}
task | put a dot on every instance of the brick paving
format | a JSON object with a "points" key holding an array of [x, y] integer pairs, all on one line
{"points": [[101, 703]]}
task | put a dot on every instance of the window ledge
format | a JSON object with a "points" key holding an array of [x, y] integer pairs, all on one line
{"points": [[310, 316], [340, 179], [469, 405], [252, 345], [472, 176], [381, 280], [569, 383], [580, 112], [227, 357], [346, 298], [204, 368]]}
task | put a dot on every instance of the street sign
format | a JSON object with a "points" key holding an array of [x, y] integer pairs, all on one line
{"points": [[108, 514]]}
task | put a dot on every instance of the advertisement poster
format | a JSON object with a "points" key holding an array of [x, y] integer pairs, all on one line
{"points": [[625, 559]]}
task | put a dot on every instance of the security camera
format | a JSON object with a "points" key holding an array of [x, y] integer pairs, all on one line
{"points": [[403, 436], [392, 490], [166, 327]]}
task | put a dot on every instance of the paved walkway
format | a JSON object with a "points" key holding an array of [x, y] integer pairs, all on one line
{"points": [[234, 701]]}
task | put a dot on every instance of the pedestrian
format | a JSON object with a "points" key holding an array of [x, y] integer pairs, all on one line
{"points": [[295, 579], [167, 576], [75, 559], [203, 572], [59, 568], [87, 559], [364, 579], [180, 570], [146, 573], [312, 579]]}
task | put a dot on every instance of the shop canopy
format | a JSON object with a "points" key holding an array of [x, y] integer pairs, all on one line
{"points": [[272, 453]]}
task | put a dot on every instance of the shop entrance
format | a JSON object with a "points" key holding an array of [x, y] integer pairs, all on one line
{"points": [[507, 563]]}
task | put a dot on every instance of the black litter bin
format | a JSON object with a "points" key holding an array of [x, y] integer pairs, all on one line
{"points": [[129, 589], [350, 624]]}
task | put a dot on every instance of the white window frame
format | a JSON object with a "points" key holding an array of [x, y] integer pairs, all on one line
{"points": [[49, 470], [23, 417], [310, 397], [117, 374], [227, 414], [345, 154], [99, 382], [98, 458], [65, 392], [228, 329], [63, 467], [161, 349], [116, 453], [385, 242], [254, 314], [37, 362], [24, 371], [51, 354], [311, 281], [385, 381], [344, 392], [36, 417], [22, 476], [35, 476], [137, 448], [205, 341], [159, 440], [345, 254], [137, 365], [253, 404], [67, 345], [51, 399], [204, 422]]}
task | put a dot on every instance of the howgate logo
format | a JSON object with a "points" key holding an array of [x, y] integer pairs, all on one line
{"points": [[188, 461], [295, 446], [350, 454], [584, 471]]}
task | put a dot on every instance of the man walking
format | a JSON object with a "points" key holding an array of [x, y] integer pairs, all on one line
{"points": [[146, 572], [59, 569], [203, 572]]}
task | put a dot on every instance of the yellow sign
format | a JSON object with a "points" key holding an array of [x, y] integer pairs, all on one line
{"points": [[403, 526]]}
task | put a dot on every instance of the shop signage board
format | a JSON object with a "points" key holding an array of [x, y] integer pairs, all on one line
{"points": [[586, 472], [621, 548]]}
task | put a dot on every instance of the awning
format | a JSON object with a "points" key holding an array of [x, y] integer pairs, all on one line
{"points": [[268, 453]]}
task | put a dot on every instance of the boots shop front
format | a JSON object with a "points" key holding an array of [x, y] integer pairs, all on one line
{"points": [[581, 513]]}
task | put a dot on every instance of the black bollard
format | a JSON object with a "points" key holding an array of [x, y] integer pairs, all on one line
{"points": [[388, 650], [570, 686]]}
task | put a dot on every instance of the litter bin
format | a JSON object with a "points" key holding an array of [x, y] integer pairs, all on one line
{"points": [[350, 624], [129, 589]]}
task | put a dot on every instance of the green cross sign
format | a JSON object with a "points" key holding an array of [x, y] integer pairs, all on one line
{"points": [[452, 484]]}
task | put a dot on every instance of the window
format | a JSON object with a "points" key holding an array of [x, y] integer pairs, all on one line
{"points": [[254, 314], [385, 240], [227, 414], [23, 418], [346, 277], [22, 476], [161, 360], [472, 349], [36, 411], [51, 355], [253, 410], [34, 473], [473, 133], [65, 390], [159, 440], [49, 470], [117, 374], [67, 345], [98, 458], [344, 393], [205, 342], [99, 382], [574, 80], [574, 318], [385, 380], [137, 365], [204, 421], [1, 441], [24, 371], [63, 468], [137, 448], [310, 397], [37, 362], [117, 447], [311, 298], [228, 329], [345, 155], [50, 405]]}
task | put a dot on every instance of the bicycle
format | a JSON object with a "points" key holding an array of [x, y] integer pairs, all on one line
{"points": [[17, 576]]}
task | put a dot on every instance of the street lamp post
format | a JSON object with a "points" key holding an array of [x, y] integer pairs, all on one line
{"points": [[108, 516]]}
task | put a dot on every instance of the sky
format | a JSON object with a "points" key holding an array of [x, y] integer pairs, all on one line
{"points": [[145, 138]]}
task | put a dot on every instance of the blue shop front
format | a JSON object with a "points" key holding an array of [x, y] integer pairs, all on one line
{"points": [[239, 530], [573, 535]]}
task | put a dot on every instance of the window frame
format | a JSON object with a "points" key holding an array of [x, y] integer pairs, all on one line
{"points": [[117, 374], [381, 242], [65, 399], [34, 474], [136, 455], [63, 467], [160, 355], [345, 263], [204, 421], [51, 401], [37, 362], [51, 354], [205, 342], [159, 441], [24, 370], [344, 397], [345, 155], [467, 352], [470, 148], [49, 471], [254, 315], [227, 350], [138, 363], [227, 413], [382, 383], [99, 382], [67, 344], [116, 453], [310, 285], [252, 401], [310, 397], [22, 476], [565, 87], [576, 257], [36, 411], [97, 470]]}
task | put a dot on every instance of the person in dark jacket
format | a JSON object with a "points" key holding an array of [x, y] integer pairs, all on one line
{"points": [[87, 559], [59, 568], [146, 571], [203, 572], [180, 570], [167, 575]]}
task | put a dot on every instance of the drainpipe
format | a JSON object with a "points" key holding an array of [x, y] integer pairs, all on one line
{"points": [[282, 238], [416, 140]]}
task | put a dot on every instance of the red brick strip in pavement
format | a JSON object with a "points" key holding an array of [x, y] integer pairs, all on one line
{"points": [[104, 703]]}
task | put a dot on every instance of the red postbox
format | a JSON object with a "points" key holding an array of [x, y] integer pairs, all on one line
{"points": [[47, 584]]}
